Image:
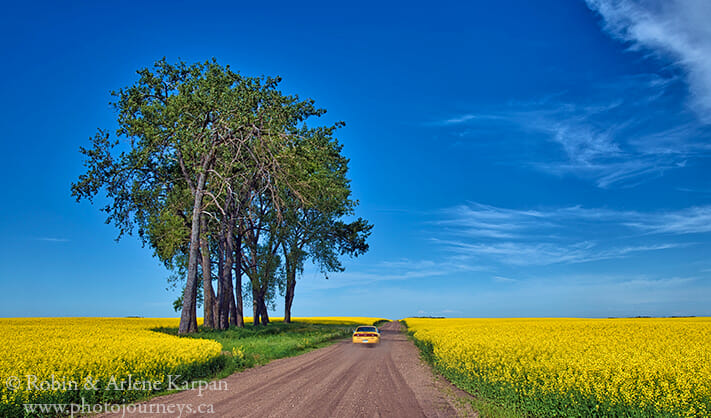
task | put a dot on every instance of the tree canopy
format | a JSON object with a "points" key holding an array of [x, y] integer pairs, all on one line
{"points": [[212, 168]]}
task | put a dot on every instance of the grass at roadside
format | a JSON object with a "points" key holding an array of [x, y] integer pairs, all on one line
{"points": [[251, 346]]}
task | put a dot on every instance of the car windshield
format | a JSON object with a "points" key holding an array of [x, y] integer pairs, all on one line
{"points": [[366, 329]]}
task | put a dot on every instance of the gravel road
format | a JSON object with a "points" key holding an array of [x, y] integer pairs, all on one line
{"points": [[341, 380]]}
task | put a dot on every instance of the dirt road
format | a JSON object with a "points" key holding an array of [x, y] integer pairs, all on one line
{"points": [[341, 380]]}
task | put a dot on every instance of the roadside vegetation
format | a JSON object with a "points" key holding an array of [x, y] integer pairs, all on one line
{"points": [[256, 345]]}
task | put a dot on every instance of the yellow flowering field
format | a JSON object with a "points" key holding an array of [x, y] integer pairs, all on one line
{"points": [[355, 320], [48, 360], [577, 367], [65, 360]]}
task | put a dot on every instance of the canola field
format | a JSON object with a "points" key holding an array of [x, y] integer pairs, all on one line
{"points": [[53, 360], [576, 367], [351, 320], [47, 360]]}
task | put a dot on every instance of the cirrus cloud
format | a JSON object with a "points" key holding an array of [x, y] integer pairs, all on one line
{"points": [[676, 30]]}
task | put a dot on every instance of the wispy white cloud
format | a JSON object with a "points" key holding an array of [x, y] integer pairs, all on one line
{"points": [[693, 190], [628, 130], [501, 279], [52, 239], [473, 215], [564, 235], [662, 283], [623, 174], [619, 142], [675, 141], [546, 253], [677, 30], [477, 219], [441, 313], [583, 145], [687, 221], [396, 270], [457, 120]]}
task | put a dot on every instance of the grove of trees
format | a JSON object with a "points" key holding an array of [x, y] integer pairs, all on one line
{"points": [[223, 178]]}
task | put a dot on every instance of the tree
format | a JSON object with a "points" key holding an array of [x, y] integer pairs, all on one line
{"points": [[174, 119], [314, 230], [204, 163]]}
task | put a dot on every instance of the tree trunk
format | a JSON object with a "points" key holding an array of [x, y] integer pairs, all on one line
{"points": [[289, 299], [256, 306], [233, 308], [239, 309], [289, 294], [266, 283], [208, 292], [188, 316], [215, 311], [263, 295], [229, 300], [287, 306], [222, 308], [264, 314]]}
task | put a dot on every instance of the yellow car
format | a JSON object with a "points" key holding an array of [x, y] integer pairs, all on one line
{"points": [[366, 334]]}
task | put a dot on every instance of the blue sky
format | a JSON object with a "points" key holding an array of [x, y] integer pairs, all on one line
{"points": [[517, 158]]}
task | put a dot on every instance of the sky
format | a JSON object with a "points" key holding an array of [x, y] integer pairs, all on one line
{"points": [[517, 158]]}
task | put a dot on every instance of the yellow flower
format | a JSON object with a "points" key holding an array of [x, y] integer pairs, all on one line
{"points": [[663, 364], [39, 351]]}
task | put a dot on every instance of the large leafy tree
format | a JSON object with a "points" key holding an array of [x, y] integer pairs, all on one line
{"points": [[213, 167], [168, 124]]}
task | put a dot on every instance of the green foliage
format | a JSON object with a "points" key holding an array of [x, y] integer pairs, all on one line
{"points": [[170, 120], [251, 346], [200, 140]]}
